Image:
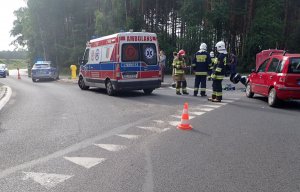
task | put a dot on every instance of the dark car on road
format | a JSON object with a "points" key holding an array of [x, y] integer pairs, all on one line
{"points": [[3, 70], [44, 70], [277, 77]]}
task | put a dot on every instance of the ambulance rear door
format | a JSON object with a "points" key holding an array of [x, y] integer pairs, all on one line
{"points": [[139, 60]]}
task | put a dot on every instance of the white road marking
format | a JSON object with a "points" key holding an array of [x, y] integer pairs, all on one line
{"points": [[198, 113], [153, 129], [179, 117], [158, 121], [45, 179], [111, 147], [176, 116], [129, 136], [211, 106], [81, 145], [174, 123], [86, 162], [203, 109], [7, 96]]}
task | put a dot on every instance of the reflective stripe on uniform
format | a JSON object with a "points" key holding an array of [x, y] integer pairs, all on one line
{"points": [[200, 73], [218, 93], [218, 69]]}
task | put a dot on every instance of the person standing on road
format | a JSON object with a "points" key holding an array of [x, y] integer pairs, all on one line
{"points": [[200, 66], [211, 66], [162, 64], [219, 72], [179, 66]]}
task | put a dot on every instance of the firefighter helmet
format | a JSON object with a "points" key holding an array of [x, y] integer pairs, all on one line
{"points": [[221, 47], [212, 54], [181, 52], [203, 47], [235, 78]]}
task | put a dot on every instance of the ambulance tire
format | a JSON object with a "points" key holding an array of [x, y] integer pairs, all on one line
{"points": [[148, 91], [109, 88], [81, 84]]}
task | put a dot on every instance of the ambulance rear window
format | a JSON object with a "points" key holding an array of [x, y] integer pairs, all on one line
{"points": [[145, 52]]}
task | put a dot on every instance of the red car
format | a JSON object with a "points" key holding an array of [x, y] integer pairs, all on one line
{"points": [[277, 76]]}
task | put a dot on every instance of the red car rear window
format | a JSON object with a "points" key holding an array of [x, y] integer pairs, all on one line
{"points": [[294, 66]]}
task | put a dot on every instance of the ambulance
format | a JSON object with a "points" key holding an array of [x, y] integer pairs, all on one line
{"points": [[122, 61]]}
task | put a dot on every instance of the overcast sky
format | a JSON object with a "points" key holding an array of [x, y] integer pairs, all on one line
{"points": [[6, 22]]}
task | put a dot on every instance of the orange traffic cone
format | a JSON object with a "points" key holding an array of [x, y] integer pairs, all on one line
{"points": [[184, 125]]}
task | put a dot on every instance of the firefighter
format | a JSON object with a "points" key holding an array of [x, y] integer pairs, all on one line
{"points": [[200, 66], [211, 66], [179, 66], [218, 72]]}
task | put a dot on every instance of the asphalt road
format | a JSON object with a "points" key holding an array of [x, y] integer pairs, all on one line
{"points": [[55, 137]]}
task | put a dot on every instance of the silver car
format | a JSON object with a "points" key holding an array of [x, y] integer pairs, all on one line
{"points": [[44, 70]]}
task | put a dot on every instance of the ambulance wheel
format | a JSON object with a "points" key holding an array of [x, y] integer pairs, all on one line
{"points": [[81, 84], [109, 88], [249, 93], [148, 91]]}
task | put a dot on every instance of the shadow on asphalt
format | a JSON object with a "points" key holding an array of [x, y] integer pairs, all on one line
{"points": [[121, 94], [290, 105]]}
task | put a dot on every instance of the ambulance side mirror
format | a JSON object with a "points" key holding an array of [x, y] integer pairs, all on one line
{"points": [[82, 61]]}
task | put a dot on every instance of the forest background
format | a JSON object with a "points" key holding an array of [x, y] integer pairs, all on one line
{"points": [[58, 30]]}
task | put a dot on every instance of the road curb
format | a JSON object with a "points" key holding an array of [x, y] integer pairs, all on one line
{"points": [[5, 94]]}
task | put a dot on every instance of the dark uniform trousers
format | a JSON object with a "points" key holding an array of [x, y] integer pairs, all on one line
{"points": [[200, 79], [217, 89]]}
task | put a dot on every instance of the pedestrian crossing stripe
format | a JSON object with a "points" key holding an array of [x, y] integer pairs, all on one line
{"points": [[179, 117], [158, 121], [212, 106], [202, 109], [197, 113], [47, 180], [86, 162], [111, 147], [129, 136], [174, 123]]}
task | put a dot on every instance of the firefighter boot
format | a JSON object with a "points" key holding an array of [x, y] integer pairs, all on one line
{"points": [[212, 98], [195, 93], [203, 94], [217, 99]]}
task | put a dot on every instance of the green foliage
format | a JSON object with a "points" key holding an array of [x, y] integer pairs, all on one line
{"points": [[57, 30]]}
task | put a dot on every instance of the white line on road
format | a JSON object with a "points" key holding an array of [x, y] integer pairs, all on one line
{"points": [[86, 162], [6, 97], [47, 180], [203, 109], [174, 123], [111, 147], [129, 136], [197, 113], [179, 117], [158, 121], [72, 148]]}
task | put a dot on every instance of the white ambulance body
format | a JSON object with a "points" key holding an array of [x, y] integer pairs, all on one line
{"points": [[122, 61]]}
